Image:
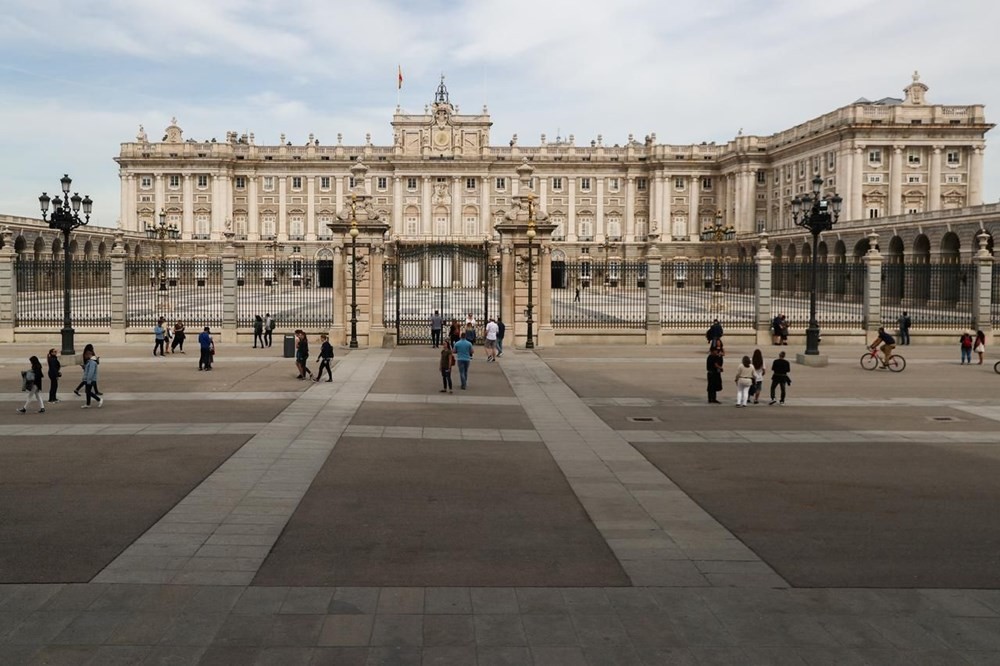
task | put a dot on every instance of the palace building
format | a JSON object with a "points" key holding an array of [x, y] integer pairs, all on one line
{"points": [[445, 180]]}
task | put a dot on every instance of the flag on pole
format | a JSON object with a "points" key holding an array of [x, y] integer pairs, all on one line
{"points": [[399, 77]]}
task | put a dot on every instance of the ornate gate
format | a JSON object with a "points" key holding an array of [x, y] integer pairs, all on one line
{"points": [[452, 278]]}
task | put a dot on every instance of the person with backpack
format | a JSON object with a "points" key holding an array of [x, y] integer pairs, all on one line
{"points": [[55, 372], [32, 383], [965, 343], [90, 367], [268, 329], [904, 328]]}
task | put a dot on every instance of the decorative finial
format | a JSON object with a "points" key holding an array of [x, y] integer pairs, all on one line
{"points": [[916, 76]]}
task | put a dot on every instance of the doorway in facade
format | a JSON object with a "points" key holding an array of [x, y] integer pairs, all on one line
{"points": [[558, 275], [324, 273]]}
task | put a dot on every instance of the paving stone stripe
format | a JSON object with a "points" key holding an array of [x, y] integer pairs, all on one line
{"points": [[659, 534], [78, 429], [188, 396], [799, 436], [222, 531]]}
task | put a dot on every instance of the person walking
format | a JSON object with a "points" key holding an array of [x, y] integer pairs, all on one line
{"points": [[904, 328], [178, 344], [207, 347], [166, 336], [965, 343], [576, 296], [744, 381], [269, 326], [455, 332], [713, 367], [780, 368], [54, 373], [470, 333], [463, 354], [501, 331], [258, 331], [88, 352], [302, 354], [979, 346], [33, 385], [90, 368], [437, 322], [758, 375], [325, 356], [445, 364], [490, 340], [158, 336]]}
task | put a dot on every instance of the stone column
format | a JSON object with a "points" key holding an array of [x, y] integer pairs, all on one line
{"points": [[124, 203], [456, 206], [872, 314], [546, 333], [376, 291], [976, 177], [845, 181], [896, 181], [425, 207], [341, 314], [338, 192], [229, 290], [159, 197], [857, 183], [982, 291], [485, 219], [762, 293], [739, 201], [654, 221], [694, 196], [118, 287], [600, 233], [934, 187], [629, 231], [654, 292], [8, 287]]}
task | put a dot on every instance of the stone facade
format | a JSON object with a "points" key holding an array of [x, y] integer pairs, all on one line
{"points": [[444, 180]]}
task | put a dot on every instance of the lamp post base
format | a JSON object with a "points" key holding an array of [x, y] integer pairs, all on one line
{"points": [[68, 348], [813, 360], [812, 340]]}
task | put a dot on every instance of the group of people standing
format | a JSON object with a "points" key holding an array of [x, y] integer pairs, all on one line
{"points": [[457, 348], [32, 379], [168, 339], [263, 330], [749, 377]]}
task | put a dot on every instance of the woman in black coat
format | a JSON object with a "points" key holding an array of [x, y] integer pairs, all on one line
{"points": [[55, 372]]}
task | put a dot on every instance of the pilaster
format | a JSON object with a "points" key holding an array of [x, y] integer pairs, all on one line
{"points": [[118, 287], [872, 314], [376, 329], [896, 181], [338, 332], [762, 293], [982, 291], [8, 287], [546, 333]]}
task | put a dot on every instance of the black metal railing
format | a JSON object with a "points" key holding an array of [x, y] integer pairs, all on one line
{"points": [[40, 292], [297, 294], [995, 296], [601, 295], [191, 292], [456, 280], [933, 295], [694, 293], [839, 293]]}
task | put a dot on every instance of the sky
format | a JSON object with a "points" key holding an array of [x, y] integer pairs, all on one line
{"points": [[77, 78]]}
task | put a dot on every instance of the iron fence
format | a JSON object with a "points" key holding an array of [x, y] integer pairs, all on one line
{"points": [[995, 297], [188, 291], [934, 295], [839, 293], [454, 279], [40, 292], [694, 293], [609, 295], [297, 294]]}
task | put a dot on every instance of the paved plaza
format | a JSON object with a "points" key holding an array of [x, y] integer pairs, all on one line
{"points": [[574, 506]]}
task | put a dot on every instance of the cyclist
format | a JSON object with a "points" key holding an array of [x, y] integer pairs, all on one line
{"points": [[888, 344]]}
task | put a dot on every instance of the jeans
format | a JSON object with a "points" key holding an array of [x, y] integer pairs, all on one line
{"points": [[268, 336], [463, 372], [92, 392], [776, 383], [324, 364], [205, 361], [158, 345], [436, 337], [966, 354], [53, 387], [256, 337], [446, 379], [904, 336], [499, 345]]}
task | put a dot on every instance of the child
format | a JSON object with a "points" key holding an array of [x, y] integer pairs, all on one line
{"points": [[446, 364], [325, 354]]}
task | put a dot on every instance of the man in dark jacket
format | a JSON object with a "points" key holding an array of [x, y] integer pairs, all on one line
{"points": [[779, 376], [713, 368]]}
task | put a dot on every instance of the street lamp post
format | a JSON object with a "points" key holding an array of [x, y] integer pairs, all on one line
{"points": [[606, 246], [718, 233], [818, 214], [65, 218], [271, 244], [353, 344], [530, 343], [161, 231]]}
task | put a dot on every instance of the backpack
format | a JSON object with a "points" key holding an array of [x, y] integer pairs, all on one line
{"points": [[27, 379], [270, 325]]}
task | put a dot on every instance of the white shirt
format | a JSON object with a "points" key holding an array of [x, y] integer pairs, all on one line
{"points": [[491, 330]]}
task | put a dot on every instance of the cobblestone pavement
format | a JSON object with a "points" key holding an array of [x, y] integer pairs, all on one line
{"points": [[573, 506]]}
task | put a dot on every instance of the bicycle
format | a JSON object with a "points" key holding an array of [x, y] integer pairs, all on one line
{"points": [[996, 367], [871, 360]]}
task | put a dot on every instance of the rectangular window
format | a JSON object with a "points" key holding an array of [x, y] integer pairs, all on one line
{"points": [[382, 183], [953, 179], [501, 184], [614, 184], [352, 182], [874, 178], [913, 157], [241, 182], [873, 213], [174, 182], [679, 183], [557, 184], [585, 184], [324, 182], [411, 184], [875, 156], [913, 178], [911, 211], [268, 183], [954, 157], [706, 183], [145, 182], [202, 181], [831, 160], [802, 168], [470, 183], [296, 182], [761, 177], [641, 184]]}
